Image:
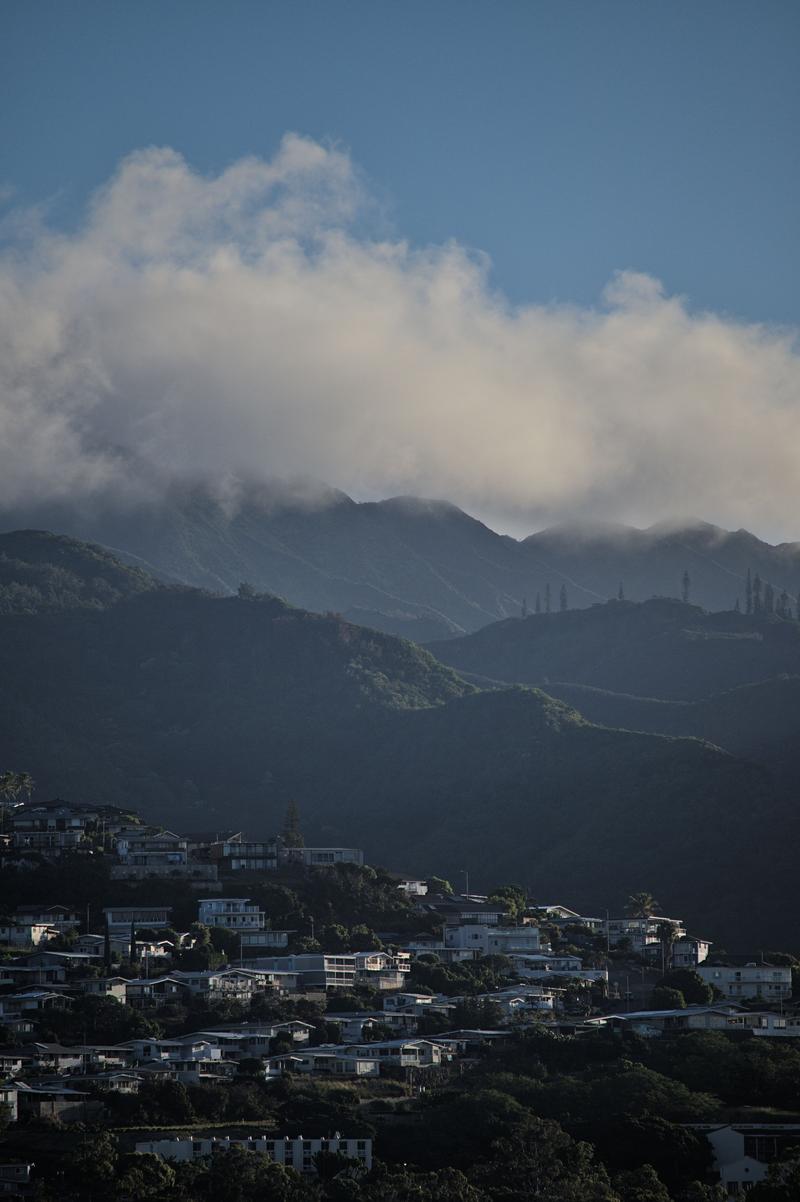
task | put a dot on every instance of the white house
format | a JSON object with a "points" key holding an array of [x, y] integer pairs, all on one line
{"points": [[543, 968], [743, 1152], [295, 1153], [688, 952], [483, 939], [322, 857], [8, 1097], [413, 888], [640, 933], [327, 1061], [769, 981], [26, 934], [235, 913], [120, 918]]}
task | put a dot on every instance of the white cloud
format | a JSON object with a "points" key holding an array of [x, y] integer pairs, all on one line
{"points": [[245, 324]]}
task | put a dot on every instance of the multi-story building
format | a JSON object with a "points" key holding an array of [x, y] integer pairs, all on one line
{"points": [[247, 855], [321, 857], [234, 913], [51, 826], [743, 1152], [157, 854], [120, 918], [484, 939], [769, 981], [26, 934], [62, 918], [688, 952], [342, 970], [640, 933], [293, 1152]]}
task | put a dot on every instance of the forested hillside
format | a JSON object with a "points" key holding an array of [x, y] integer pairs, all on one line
{"points": [[40, 571], [661, 648], [203, 709], [662, 666]]}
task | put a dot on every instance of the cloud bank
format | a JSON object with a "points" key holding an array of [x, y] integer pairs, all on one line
{"points": [[246, 325]]}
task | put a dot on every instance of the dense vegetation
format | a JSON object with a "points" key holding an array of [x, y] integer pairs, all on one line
{"points": [[732, 679], [202, 709], [536, 1116], [539, 1118], [662, 649], [41, 571]]}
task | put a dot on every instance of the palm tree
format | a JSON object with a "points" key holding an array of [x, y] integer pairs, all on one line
{"points": [[641, 905], [14, 783], [11, 785]]}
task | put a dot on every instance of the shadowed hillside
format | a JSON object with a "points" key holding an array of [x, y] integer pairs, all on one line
{"points": [[203, 709], [41, 571], [659, 649]]}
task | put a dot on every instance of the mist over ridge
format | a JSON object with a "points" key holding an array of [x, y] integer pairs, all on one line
{"points": [[262, 323]]}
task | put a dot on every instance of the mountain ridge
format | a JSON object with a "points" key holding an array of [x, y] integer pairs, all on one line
{"points": [[196, 708], [415, 565]]}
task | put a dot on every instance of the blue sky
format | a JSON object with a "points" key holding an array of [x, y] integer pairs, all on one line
{"points": [[566, 139]]}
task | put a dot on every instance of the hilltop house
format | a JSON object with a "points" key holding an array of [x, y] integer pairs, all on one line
{"points": [[150, 853], [769, 981]]}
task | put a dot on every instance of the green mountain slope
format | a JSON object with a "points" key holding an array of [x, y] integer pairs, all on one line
{"points": [[203, 709], [40, 571]]}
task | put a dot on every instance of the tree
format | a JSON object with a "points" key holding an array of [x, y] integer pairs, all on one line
{"points": [[769, 599], [239, 1175], [686, 583], [292, 836], [142, 1176], [92, 1164], [14, 783], [437, 884], [11, 785], [757, 602], [538, 605], [641, 905], [782, 1183], [690, 984], [665, 998], [524, 607], [562, 599], [782, 608], [547, 598], [748, 594], [620, 592], [641, 1185], [513, 897]]}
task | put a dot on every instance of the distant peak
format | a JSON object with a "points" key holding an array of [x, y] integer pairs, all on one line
{"points": [[585, 532], [423, 506], [683, 525]]}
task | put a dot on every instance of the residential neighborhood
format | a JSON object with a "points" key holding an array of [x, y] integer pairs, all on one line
{"points": [[206, 985]]}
